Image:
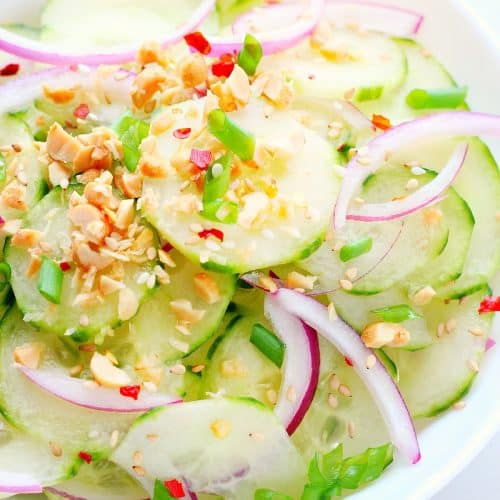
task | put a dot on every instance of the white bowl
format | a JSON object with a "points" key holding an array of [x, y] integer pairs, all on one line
{"points": [[471, 51]]}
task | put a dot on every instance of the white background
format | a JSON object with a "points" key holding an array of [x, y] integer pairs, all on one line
{"points": [[481, 479]]}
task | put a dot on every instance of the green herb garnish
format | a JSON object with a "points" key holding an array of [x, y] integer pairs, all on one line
{"points": [[360, 247], [265, 494], [50, 280], [131, 133], [161, 492], [396, 314], [250, 55], [235, 138], [451, 97], [268, 344]]}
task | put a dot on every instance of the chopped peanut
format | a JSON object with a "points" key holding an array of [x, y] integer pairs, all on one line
{"points": [[193, 70], [151, 52], [33, 266], [149, 81], [59, 95], [90, 221], [28, 354], [88, 258], [239, 86], [106, 373], [125, 214], [423, 296], [380, 334], [128, 304], [108, 285], [129, 184], [92, 157], [14, 196], [206, 287], [152, 166], [28, 238], [58, 174], [62, 146], [100, 195], [162, 122], [183, 310], [298, 280]]}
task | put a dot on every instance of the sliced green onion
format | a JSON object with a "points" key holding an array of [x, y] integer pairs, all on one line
{"points": [[5, 273], [360, 247], [451, 97], [268, 344], [389, 364], [131, 133], [160, 491], [265, 494], [217, 179], [3, 168], [221, 211], [235, 138], [396, 314], [250, 55], [369, 93], [50, 280]]}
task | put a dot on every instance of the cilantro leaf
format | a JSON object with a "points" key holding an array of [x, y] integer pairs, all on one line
{"points": [[131, 131]]}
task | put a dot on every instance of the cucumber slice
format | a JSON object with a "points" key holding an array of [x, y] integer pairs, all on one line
{"points": [[94, 24], [387, 262], [240, 369], [101, 480], [369, 63], [308, 198], [153, 329], [255, 452], [433, 379], [480, 173], [27, 406], [22, 454], [50, 217], [356, 310]]}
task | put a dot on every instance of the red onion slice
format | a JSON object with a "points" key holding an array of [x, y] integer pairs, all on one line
{"points": [[301, 23], [79, 392], [22, 91], [490, 343], [431, 127], [11, 482], [300, 366], [52, 54], [427, 195], [378, 381]]}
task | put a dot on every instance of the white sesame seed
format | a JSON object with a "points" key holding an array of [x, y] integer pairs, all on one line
{"points": [[178, 369], [183, 329], [351, 273], [332, 313], [459, 405], [179, 345], [345, 391], [291, 394], [450, 325], [84, 320], [417, 170], [412, 184], [271, 396], [256, 436], [440, 330], [151, 281], [151, 253], [333, 401], [370, 362], [334, 382], [351, 429], [139, 470], [113, 440], [359, 200], [473, 366], [476, 332], [217, 170], [345, 284], [138, 458], [198, 368]]}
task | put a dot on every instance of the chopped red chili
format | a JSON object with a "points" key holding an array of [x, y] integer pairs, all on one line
{"points": [[216, 233], [182, 133], [348, 361], [201, 158], [381, 122], [86, 457], [175, 488], [273, 275], [166, 247], [65, 266], [489, 304], [130, 391], [10, 69], [224, 66], [2, 221], [198, 42], [81, 111]]}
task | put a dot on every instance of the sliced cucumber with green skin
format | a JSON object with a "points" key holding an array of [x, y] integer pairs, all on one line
{"points": [[305, 182], [433, 379], [387, 261], [226, 446], [370, 64], [40, 414], [114, 23], [101, 480], [153, 330], [50, 216], [240, 369], [479, 174], [357, 311]]}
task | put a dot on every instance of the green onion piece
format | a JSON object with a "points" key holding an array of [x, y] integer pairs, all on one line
{"points": [[3, 168], [389, 364], [131, 133], [5, 273], [363, 245], [221, 211], [236, 139], [451, 97], [268, 344], [265, 494], [396, 314], [369, 93], [217, 179], [160, 491], [50, 280], [250, 55]]}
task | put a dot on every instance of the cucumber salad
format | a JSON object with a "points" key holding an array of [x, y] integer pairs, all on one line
{"points": [[246, 248]]}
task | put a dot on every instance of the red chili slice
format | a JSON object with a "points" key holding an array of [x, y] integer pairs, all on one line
{"points": [[81, 111], [175, 488], [65, 266], [489, 305], [10, 69], [381, 122], [182, 133], [130, 391], [166, 247], [201, 158], [348, 361], [224, 66], [217, 233], [86, 457], [198, 42]]}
